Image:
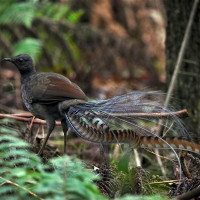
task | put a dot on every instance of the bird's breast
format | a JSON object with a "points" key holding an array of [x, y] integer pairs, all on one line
{"points": [[42, 111]]}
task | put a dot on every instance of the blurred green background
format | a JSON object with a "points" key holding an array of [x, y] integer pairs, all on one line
{"points": [[106, 47]]}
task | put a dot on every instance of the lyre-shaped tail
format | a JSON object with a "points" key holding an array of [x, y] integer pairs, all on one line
{"points": [[94, 129], [131, 118]]}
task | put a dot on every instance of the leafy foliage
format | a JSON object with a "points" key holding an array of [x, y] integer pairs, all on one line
{"points": [[23, 13], [69, 180], [29, 45], [59, 12], [19, 13], [23, 175]]}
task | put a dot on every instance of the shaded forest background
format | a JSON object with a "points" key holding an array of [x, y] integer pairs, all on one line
{"points": [[106, 47]]}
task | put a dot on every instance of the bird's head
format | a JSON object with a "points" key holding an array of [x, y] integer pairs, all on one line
{"points": [[23, 62]]}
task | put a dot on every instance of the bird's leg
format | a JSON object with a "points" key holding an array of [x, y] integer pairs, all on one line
{"points": [[65, 131], [50, 127], [63, 107]]}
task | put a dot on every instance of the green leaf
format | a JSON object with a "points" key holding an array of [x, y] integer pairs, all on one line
{"points": [[17, 152], [124, 162], [18, 161], [28, 46], [61, 12], [19, 13], [7, 130], [73, 17]]}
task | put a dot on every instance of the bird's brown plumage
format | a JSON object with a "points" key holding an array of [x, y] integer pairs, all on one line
{"points": [[46, 95], [52, 88]]}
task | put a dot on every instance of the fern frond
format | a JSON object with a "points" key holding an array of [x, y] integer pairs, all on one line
{"points": [[18, 13], [29, 46], [24, 176]]}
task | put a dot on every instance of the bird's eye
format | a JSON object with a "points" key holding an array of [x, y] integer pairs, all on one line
{"points": [[20, 59]]}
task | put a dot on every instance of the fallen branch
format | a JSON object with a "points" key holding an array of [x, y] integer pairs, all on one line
{"points": [[181, 114], [25, 117], [20, 117]]}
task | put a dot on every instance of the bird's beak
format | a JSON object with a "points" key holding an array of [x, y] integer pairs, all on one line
{"points": [[6, 59]]}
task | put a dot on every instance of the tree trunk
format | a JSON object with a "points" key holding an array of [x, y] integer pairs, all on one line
{"points": [[187, 88]]}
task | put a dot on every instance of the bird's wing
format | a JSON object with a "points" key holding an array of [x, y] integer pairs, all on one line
{"points": [[47, 88]]}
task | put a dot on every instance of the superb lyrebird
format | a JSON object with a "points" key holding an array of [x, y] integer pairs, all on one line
{"points": [[46, 94], [126, 118]]}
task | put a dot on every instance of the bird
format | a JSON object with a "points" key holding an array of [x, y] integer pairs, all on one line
{"points": [[45, 94], [128, 118]]}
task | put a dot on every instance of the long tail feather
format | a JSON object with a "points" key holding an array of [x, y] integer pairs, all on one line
{"points": [[130, 118], [105, 135]]}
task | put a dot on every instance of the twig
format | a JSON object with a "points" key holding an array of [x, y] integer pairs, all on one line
{"points": [[36, 121], [184, 165], [160, 162], [137, 158], [166, 158], [179, 60], [29, 129], [23, 188], [181, 54], [164, 182], [23, 116], [181, 114]]}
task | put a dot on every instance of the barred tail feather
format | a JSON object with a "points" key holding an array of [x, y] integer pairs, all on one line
{"points": [[175, 143], [138, 111], [100, 134]]}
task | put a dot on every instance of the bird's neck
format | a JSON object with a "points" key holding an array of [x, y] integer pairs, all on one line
{"points": [[27, 75]]}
